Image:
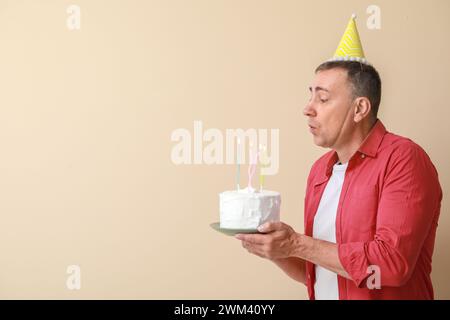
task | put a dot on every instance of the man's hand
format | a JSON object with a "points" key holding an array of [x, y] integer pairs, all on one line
{"points": [[278, 241]]}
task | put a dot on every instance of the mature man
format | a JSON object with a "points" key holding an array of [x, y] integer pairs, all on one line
{"points": [[372, 203]]}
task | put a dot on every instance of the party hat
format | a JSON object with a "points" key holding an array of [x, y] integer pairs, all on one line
{"points": [[350, 48]]}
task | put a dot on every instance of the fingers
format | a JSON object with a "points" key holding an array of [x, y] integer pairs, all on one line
{"points": [[252, 238], [254, 243], [272, 243], [254, 249]]}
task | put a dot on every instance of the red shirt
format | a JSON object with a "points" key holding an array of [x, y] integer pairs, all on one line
{"points": [[387, 216]]}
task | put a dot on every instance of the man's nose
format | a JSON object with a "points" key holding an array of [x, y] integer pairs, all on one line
{"points": [[309, 110]]}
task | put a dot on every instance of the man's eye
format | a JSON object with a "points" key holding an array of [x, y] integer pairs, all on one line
{"points": [[323, 100]]}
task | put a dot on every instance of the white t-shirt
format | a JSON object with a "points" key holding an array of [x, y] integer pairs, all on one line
{"points": [[324, 228]]}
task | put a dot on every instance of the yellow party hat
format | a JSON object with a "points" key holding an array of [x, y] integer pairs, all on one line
{"points": [[350, 48]]}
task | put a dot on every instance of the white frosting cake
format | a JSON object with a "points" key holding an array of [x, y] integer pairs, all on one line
{"points": [[248, 208]]}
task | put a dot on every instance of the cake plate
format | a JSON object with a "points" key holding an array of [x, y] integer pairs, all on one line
{"points": [[231, 232]]}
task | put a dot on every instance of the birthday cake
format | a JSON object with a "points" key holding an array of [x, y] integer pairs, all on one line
{"points": [[248, 208]]}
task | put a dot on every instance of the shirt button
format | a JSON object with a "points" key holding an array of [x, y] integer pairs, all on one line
{"points": [[363, 156]]}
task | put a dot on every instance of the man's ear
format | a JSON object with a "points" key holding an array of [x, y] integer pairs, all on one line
{"points": [[362, 109]]}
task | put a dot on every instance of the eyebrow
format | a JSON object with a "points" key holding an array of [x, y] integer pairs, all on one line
{"points": [[318, 88]]}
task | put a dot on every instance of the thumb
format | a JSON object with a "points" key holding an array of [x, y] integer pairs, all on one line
{"points": [[270, 226]]}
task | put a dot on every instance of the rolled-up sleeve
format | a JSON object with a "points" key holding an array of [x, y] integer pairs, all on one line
{"points": [[408, 206]]}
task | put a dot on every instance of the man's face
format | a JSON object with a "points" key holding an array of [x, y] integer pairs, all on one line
{"points": [[329, 111]]}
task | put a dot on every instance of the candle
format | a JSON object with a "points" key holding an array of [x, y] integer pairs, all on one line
{"points": [[261, 177], [252, 167], [263, 164], [238, 173]]}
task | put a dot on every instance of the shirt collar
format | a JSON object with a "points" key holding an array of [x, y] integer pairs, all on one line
{"points": [[371, 143], [369, 147]]}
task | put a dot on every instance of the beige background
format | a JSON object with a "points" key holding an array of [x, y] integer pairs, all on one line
{"points": [[86, 116]]}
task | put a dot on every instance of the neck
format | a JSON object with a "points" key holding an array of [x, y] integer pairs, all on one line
{"points": [[348, 149]]}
